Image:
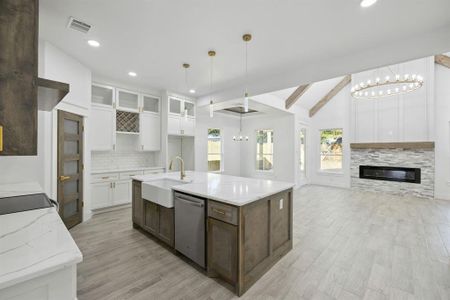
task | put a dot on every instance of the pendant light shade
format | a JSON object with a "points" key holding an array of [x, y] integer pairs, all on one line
{"points": [[211, 54], [246, 38], [211, 109]]}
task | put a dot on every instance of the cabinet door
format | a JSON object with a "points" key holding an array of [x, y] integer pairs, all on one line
{"points": [[222, 249], [189, 109], [137, 204], [188, 126], [101, 194], [151, 217], [102, 129], [122, 192], [280, 220], [173, 125], [175, 106], [150, 132], [102, 95], [150, 104], [167, 225], [127, 101]]}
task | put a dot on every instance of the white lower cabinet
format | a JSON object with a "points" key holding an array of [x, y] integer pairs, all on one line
{"points": [[105, 194], [122, 192], [101, 194], [111, 189]]}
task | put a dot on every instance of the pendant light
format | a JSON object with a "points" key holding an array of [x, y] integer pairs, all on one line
{"points": [[211, 54], [240, 137], [247, 38], [186, 66]]}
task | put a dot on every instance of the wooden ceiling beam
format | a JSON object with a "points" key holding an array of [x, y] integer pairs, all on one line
{"points": [[296, 95], [442, 60], [322, 102]]}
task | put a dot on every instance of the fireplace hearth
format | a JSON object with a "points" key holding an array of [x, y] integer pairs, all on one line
{"points": [[399, 174]]}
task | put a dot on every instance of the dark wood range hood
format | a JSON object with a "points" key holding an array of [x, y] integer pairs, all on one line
{"points": [[22, 93], [50, 93]]}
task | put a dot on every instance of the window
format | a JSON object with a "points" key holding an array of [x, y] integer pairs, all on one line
{"points": [[331, 150], [264, 150], [303, 151], [214, 150]]}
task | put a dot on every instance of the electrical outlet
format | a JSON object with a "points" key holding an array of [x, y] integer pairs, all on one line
{"points": [[281, 204]]}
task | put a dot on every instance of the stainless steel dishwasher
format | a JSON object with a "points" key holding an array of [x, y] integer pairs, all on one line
{"points": [[190, 227]]}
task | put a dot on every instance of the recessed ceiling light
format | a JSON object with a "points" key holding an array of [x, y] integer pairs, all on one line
{"points": [[132, 74], [192, 91], [367, 3], [93, 43]]}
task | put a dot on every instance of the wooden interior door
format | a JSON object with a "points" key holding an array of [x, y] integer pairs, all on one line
{"points": [[70, 168]]}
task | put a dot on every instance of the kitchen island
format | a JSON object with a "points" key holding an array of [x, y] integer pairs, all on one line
{"points": [[248, 222]]}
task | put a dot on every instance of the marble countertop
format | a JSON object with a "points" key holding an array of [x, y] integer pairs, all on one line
{"points": [[125, 170], [33, 243], [224, 188]]}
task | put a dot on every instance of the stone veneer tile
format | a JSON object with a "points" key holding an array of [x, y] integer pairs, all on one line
{"points": [[408, 158]]}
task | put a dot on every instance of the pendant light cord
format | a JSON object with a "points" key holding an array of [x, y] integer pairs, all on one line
{"points": [[246, 67]]}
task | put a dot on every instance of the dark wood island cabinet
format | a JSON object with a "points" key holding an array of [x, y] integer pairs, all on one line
{"points": [[151, 217], [242, 242]]}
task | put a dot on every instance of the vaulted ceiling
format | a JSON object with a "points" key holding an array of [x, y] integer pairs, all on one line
{"points": [[295, 41]]}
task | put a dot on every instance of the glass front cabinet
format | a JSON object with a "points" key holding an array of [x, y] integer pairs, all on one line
{"points": [[181, 118]]}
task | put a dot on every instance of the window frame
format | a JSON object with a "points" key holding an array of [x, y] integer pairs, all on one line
{"points": [[221, 151], [256, 151], [331, 171], [303, 131]]}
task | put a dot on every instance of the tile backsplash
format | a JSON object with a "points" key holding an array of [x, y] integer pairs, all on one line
{"points": [[123, 160]]}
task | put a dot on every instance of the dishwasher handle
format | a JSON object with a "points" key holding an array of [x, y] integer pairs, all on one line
{"points": [[188, 200]]}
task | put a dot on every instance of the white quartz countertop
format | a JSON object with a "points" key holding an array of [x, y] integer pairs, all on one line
{"points": [[33, 243], [224, 188], [125, 170]]}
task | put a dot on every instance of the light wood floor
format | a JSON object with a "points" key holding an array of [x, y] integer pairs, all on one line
{"points": [[347, 245]]}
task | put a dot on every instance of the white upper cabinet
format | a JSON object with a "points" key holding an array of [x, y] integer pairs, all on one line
{"points": [[188, 126], [181, 118], [102, 129], [150, 104], [102, 95], [189, 109], [150, 135], [127, 101], [175, 106]]}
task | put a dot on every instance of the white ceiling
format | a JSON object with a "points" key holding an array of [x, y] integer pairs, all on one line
{"points": [[295, 41]]}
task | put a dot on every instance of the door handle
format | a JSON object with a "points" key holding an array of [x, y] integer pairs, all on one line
{"points": [[64, 178], [198, 204]]}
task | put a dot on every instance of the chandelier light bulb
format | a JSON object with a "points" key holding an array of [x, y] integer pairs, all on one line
{"points": [[246, 103], [387, 78], [397, 77]]}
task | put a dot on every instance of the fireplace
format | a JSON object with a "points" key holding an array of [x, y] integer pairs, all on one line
{"points": [[412, 175]]}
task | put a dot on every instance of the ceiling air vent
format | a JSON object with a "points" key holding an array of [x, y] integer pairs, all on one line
{"points": [[78, 25]]}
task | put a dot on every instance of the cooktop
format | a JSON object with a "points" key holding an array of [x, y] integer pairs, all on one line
{"points": [[9, 205]]}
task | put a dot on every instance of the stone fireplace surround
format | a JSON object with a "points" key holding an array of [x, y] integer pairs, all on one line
{"points": [[408, 155]]}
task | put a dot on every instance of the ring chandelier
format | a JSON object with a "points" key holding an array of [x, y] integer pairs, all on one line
{"points": [[389, 87]]}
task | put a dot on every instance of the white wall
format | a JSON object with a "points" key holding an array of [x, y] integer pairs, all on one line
{"points": [[29, 168], [284, 165], [442, 132], [335, 114], [406, 117], [229, 126]]}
